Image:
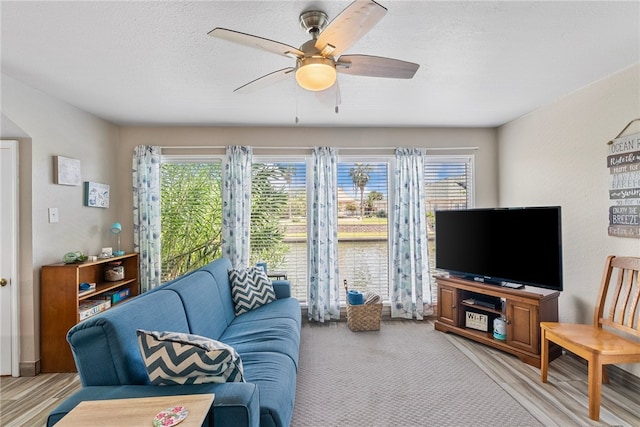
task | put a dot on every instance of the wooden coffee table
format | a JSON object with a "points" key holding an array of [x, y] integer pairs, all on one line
{"points": [[137, 412]]}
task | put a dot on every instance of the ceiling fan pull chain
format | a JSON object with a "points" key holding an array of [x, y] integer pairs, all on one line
{"points": [[296, 96]]}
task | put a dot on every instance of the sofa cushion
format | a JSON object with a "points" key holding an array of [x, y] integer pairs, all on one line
{"points": [[203, 304], [250, 288], [273, 335], [275, 375], [179, 358], [287, 308], [219, 269]]}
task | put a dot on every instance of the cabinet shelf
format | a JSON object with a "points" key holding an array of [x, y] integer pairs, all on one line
{"points": [[523, 309], [478, 307], [60, 301], [106, 287]]}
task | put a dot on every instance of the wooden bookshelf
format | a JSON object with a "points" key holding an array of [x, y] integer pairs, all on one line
{"points": [[60, 300]]}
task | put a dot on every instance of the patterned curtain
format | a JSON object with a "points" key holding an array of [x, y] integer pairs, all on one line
{"points": [[324, 290], [236, 205], [411, 287], [146, 214]]}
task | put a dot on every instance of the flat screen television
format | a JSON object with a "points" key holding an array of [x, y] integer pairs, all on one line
{"points": [[502, 246]]}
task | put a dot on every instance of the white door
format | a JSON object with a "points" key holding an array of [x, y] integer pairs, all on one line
{"points": [[9, 333]]}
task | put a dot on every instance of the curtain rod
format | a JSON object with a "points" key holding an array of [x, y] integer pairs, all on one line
{"points": [[209, 147]]}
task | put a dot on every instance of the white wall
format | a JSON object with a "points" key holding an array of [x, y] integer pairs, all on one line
{"points": [[55, 128], [557, 156]]}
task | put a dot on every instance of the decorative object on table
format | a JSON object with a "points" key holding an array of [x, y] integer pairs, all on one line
{"points": [[170, 416], [73, 257], [116, 228], [500, 328], [66, 171], [96, 195], [86, 288], [114, 271], [106, 253], [364, 316]]}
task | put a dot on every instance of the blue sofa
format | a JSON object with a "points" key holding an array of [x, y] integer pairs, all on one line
{"points": [[267, 338]]}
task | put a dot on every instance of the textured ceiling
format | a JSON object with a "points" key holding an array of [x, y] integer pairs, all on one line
{"points": [[481, 63]]}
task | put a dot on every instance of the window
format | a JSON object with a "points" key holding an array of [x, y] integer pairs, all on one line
{"points": [[363, 227], [448, 185], [279, 222], [191, 214], [279, 219]]}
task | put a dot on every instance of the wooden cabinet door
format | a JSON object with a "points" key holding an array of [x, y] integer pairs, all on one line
{"points": [[448, 305], [522, 326]]}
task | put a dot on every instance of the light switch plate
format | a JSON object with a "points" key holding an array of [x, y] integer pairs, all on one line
{"points": [[53, 215]]}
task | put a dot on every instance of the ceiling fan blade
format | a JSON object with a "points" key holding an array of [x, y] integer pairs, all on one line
{"points": [[376, 66], [266, 80], [256, 42], [349, 26]]}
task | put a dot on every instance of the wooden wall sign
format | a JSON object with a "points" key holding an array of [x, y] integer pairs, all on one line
{"points": [[623, 161]]}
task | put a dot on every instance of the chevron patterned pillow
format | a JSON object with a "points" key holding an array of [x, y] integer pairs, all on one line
{"points": [[177, 358], [250, 288]]}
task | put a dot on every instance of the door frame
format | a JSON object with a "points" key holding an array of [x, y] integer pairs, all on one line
{"points": [[13, 274]]}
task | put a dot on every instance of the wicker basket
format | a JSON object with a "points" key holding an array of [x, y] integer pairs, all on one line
{"points": [[364, 317]]}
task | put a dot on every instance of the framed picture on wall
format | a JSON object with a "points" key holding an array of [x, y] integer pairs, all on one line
{"points": [[66, 171], [96, 195]]}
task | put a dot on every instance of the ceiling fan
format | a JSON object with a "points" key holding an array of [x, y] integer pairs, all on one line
{"points": [[319, 59]]}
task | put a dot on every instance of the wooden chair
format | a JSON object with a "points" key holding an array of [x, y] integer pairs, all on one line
{"points": [[612, 337]]}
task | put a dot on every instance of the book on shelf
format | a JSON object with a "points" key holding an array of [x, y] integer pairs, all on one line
{"points": [[91, 307], [114, 296]]}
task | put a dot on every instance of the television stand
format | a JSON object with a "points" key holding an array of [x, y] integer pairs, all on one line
{"points": [[523, 308]]}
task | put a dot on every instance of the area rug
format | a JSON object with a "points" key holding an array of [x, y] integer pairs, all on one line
{"points": [[405, 375]]}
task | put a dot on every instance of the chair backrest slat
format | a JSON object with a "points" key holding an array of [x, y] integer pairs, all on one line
{"points": [[620, 295], [633, 309]]}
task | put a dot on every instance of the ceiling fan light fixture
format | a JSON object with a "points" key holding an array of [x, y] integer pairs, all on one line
{"points": [[316, 74]]}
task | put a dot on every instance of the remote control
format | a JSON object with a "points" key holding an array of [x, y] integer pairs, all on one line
{"points": [[512, 285]]}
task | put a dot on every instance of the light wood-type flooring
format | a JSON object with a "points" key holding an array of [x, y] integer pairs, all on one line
{"points": [[563, 401]]}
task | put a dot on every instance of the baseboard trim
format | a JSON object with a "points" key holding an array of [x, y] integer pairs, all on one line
{"points": [[29, 369]]}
